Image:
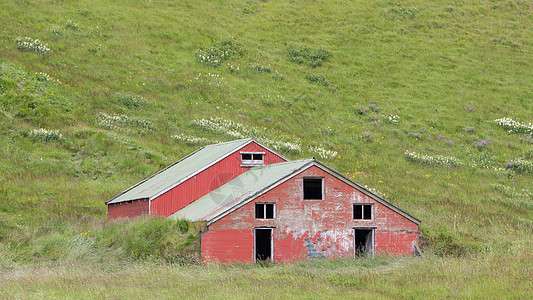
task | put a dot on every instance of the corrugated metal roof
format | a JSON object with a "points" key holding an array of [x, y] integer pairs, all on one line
{"points": [[180, 171], [244, 187]]}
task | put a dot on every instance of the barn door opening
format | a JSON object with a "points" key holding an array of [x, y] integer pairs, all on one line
{"points": [[263, 244], [364, 242]]}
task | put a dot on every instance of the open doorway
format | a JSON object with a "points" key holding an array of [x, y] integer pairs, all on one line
{"points": [[364, 241], [263, 244]]}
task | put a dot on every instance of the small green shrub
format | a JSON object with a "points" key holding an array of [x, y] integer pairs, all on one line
{"points": [[72, 25], [260, 69], [130, 100], [45, 136], [213, 56], [362, 110], [313, 57], [234, 70], [56, 32], [318, 79], [85, 13]]}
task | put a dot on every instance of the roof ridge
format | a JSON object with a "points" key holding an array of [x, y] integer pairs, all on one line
{"points": [[230, 142]]}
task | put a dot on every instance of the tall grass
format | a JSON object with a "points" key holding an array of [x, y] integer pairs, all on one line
{"points": [[431, 277], [145, 239]]}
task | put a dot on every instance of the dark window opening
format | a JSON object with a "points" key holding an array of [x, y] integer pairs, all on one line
{"points": [[313, 189], [264, 210], [130, 201], [367, 212], [362, 211], [363, 242], [269, 211], [252, 158], [263, 244]]}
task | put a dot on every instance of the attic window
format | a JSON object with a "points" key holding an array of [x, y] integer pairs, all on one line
{"points": [[264, 210], [313, 189], [362, 211], [252, 158]]}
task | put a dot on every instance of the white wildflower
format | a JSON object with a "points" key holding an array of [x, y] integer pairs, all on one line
{"points": [[432, 160], [514, 126], [323, 153]]}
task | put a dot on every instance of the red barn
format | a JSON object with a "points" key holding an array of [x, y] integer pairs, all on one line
{"points": [[289, 211]]}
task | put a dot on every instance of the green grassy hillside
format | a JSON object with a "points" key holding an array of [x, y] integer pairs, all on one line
{"points": [[403, 97]]}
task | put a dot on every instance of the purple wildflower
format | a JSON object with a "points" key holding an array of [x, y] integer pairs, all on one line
{"points": [[440, 136], [268, 119], [374, 107], [482, 144]]}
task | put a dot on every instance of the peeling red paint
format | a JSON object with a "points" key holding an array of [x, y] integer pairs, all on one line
{"points": [[309, 228]]}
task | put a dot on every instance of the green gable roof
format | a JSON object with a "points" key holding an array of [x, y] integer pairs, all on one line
{"points": [[238, 191], [179, 171]]}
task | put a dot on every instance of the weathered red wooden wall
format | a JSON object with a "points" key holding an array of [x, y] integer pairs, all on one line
{"points": [[208, 180], [308, 228], [127, 210]]}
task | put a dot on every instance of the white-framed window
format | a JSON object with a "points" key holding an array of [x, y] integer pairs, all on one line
{"points": [[265, 210], [252, 158], [362, 211], [313, 188]]}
